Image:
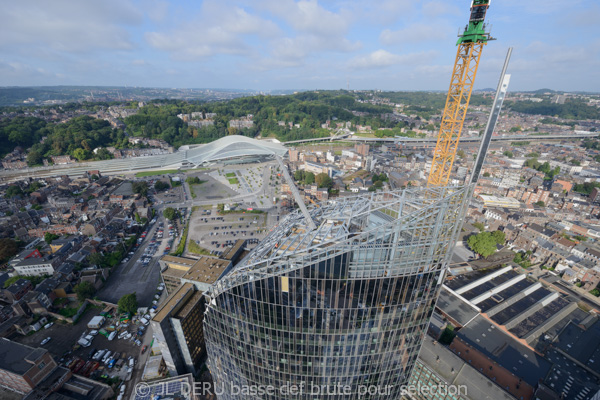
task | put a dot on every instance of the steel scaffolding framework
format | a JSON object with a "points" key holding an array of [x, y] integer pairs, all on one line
{"points": [[347, 303]]}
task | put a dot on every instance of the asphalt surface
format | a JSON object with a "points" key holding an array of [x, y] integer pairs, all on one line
{"points": [[133, 276], [64, 338]]}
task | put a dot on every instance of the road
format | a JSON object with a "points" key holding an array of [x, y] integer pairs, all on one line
{"points": [[133, 276]]}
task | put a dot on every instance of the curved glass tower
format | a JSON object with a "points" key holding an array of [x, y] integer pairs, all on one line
{"points": [[338, 312]]}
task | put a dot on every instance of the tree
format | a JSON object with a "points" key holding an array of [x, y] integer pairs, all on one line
{"points": [[193, 180], [96, 259], [518, 259], [103, 154], [479, 226], [8, 248], [486, 174], [299, 175], [50, 237], [499, 237], [13, 191], [508, 154], [160, 185], [140, 187], [81, 154], [540, 204], [309, 178], [381, 177], [34, 158], [324, 181], [483, 244], [128, 303], [170, 213], [84, 290], [461, 153]]}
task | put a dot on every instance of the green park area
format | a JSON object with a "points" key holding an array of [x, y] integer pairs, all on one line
{"points": [[153, 173]]}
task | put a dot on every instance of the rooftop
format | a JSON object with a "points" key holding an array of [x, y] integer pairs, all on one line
{"points": [[173, 302], [190, 304], [18, 358], [581, 344], [455, 307], [351, 224], [455, 371], [179, 260], [230, 252], [176, 388], [505, 350], [207, 269]]}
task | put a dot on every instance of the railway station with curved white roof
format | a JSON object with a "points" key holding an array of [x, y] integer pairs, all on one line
{"points": [[231, 149]]}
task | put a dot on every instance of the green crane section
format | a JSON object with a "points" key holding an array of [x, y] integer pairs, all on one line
{"points": [[475, 30]]}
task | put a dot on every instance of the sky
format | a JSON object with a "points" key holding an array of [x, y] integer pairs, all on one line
{"points": [[293, 45]]}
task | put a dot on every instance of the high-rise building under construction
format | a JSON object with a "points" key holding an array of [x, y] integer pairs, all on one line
{"points": [[336, 312]]}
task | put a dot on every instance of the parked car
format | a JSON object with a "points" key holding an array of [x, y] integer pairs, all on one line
{"points": [[99, 355], [91, 354], [45, 341], [106, 356], [48, 325]]}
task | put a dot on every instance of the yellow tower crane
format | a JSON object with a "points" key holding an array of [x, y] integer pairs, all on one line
{"points": [[470, 44]]}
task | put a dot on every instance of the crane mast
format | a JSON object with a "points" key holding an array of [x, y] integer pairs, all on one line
{"points": [[470, 44]]}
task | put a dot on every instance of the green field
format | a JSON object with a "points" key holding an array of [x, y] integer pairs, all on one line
{"points": [[193, 247], [152, 173], [234, 181], [230, 175]]}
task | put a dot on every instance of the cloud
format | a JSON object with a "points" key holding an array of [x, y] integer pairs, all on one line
{"points": [[542, 6], [312, 30], [419, 32], [382, 12], [438, 8], [218, 29], [583, 18], [383, 58], [11, 71], [157, 10], [308, 17], [68, 26]]}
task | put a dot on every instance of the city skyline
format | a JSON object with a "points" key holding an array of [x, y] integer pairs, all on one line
{"points": [[269, 45]]}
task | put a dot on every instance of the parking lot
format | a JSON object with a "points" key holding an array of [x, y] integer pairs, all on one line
{"points": [[211, 189], [65, 350], [215, 232]]}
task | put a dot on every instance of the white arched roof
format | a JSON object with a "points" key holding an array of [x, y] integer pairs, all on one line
{"points": [[232, 147]]}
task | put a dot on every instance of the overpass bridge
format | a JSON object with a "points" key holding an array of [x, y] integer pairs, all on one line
{"points": [[407, 140]]}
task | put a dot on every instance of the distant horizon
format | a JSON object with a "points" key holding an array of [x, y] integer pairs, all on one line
{"points": [[288, 90]]}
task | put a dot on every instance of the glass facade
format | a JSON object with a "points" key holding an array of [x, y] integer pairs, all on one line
{"points": [[338, 312]]}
